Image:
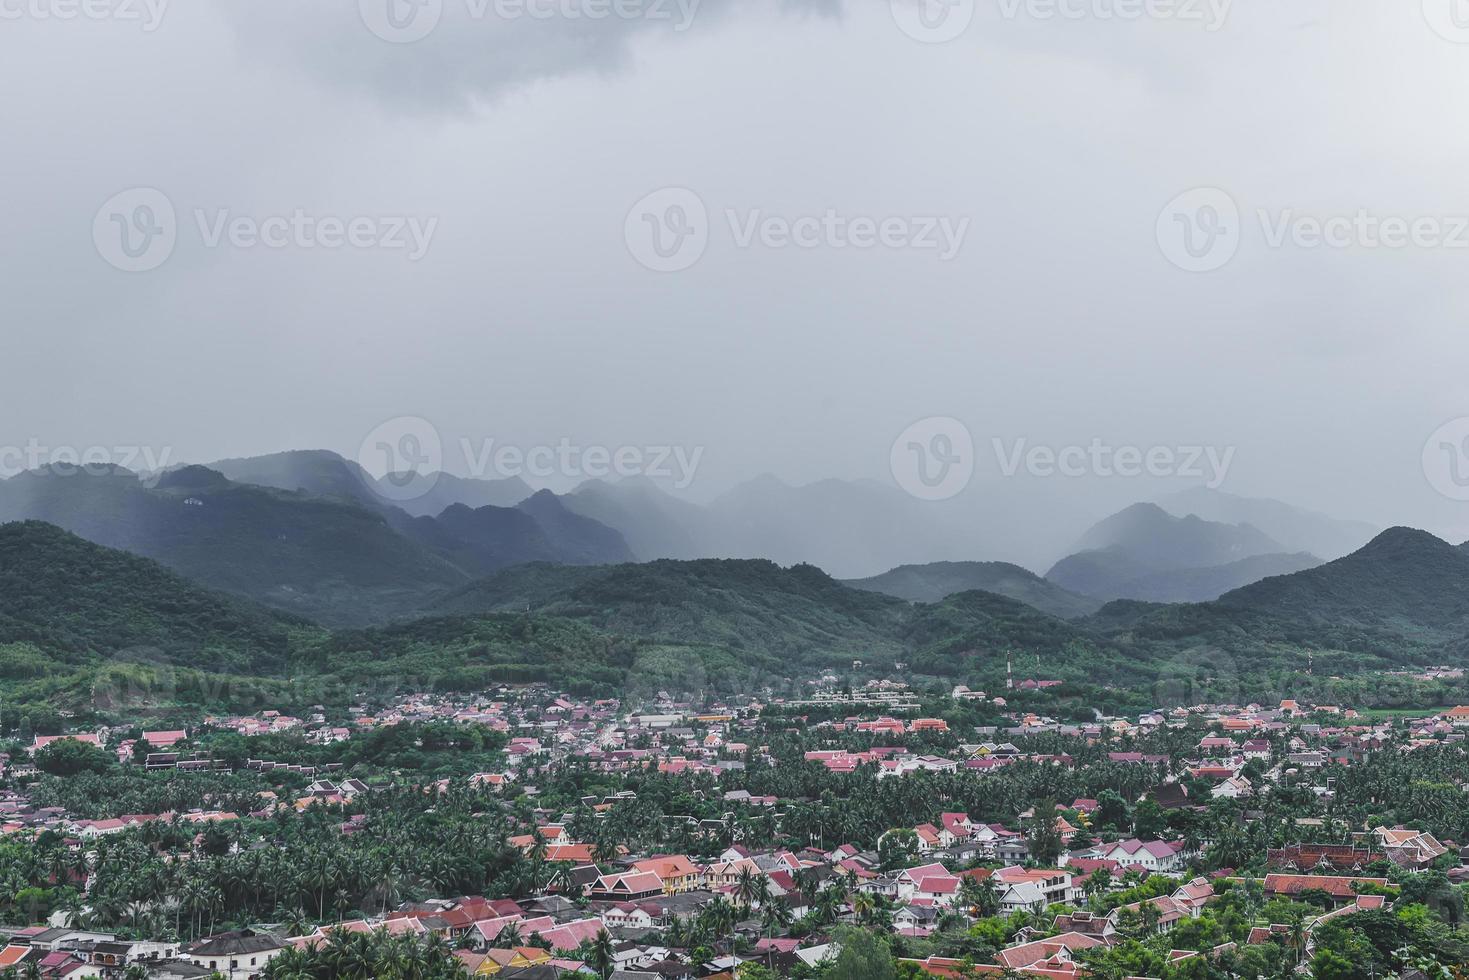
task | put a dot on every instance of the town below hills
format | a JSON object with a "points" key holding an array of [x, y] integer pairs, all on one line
{"points": [[617, 760]]}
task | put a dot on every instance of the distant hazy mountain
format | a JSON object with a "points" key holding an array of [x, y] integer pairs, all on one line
{"points": [[483, 540], [330, 551], [1204, 584], [851, 529], [654, 523], [1295, 528], [449, 490], [1155, 538], [324, 557], [1145, 553], [577, 540], [315, 471], [936, 581], [481, 529], [324, 472]]}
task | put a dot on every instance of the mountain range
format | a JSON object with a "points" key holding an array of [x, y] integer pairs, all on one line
{"points": [[938, 580], [309, 538], [1145, 553], [69, 608], [312, 533]]}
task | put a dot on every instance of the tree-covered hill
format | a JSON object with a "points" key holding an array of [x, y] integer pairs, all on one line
{"points": [[1404, 581], [325, 558], [938, 580], [632, 630], [976, 631], [745, 605], [76, 602], [331, 551], [473, 652]]}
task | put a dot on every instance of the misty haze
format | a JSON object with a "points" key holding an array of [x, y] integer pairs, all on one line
{"points": [[687, 488]]}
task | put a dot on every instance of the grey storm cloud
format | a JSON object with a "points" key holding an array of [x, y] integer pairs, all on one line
{"points": [[810, 327], [445, 55]]}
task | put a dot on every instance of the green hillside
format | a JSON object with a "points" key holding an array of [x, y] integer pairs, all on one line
{"points": [[1404, 581], [745, 605], [72, 613], [937, 580], [85, 628], [330, 552], [470, 653], [325, 558]]}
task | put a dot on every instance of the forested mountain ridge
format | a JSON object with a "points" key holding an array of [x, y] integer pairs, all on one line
{"points": [[732, 624], [72, 600], [333, 553], [1145, 553], [938, 580]]}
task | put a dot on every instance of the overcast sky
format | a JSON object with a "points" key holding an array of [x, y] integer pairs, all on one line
{"points": [[1030, 281]]}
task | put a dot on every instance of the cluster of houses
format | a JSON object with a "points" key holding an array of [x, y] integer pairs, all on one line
{"points": [[636, 899]]}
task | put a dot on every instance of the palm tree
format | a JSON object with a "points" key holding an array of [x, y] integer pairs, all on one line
{"points": [[775, 915], [601, 954], [746, 889], [677, 934], [510, 936], [829, 903]]}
